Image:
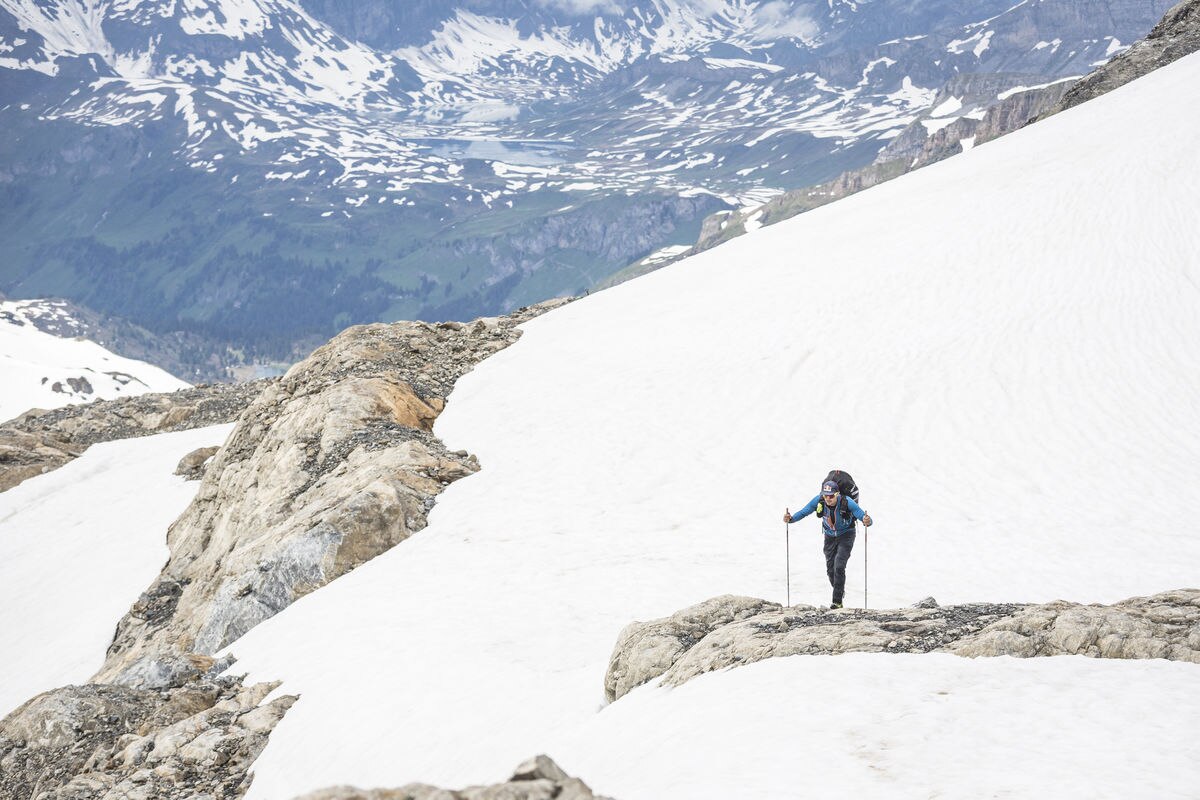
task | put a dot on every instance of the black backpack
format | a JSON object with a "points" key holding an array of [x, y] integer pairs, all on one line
{"points": [[845, 483], [846, 486]]}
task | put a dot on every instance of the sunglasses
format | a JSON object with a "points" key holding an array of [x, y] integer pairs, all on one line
{"points": [[830, 495]]}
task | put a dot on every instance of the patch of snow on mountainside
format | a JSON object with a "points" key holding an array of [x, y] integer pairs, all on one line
{"points": [[40, 370], [1000, 348], [77, 547]]}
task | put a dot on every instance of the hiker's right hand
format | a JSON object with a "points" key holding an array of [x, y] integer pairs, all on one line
{"points": [[787, 517]]}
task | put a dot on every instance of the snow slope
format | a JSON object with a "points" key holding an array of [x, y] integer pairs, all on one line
{"points": [[1005, 360], [77, 547], [1001, 348], [40, 370]]}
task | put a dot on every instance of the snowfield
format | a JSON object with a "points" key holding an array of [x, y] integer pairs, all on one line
{"points": [[1001, 348], [77, 547], [37, 368]]}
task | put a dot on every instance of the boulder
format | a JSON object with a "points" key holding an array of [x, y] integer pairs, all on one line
{"points": [[191, 467]]}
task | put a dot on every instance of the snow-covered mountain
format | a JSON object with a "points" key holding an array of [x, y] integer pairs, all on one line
{"points": [[45, 364], [268, 169], [1000, 348]]}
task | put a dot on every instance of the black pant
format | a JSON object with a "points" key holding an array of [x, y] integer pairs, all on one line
{"points": [[837, 554]]}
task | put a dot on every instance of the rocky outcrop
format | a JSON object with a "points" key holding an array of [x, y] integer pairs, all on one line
{"points": [[1175, 36], [1165, 626], [646, 650], [25, 455], [116, 743], [330, 466], [539, 778], [40, 441], [741, 630]]}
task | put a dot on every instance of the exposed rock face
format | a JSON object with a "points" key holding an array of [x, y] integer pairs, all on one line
{"points": [[1175, 36], [91, 742], [24, 455], [1166, 626], [41, 441], [646, 650], [539, 778], [330, 466]]}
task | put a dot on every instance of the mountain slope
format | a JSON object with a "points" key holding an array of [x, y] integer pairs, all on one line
{"points": [[999, 347], [39, 369], [271, 170]]}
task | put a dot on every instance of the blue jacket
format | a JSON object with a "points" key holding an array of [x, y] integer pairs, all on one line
{"points": [[833, 523]]}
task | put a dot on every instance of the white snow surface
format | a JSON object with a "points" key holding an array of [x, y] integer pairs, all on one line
{"points": [[33, 362], [77, 547], [1001, 348]]}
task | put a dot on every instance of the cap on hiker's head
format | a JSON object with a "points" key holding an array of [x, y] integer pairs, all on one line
{"points": [[829, 487]]}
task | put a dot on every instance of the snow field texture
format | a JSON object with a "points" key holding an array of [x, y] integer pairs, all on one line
{"points": [[999, 347], [77, 547], [32, 361], [885, 726]]}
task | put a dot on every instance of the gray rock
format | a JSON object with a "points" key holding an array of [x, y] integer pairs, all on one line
{"points": [[540, 767], [790, 632], [539, 778], [192, 466], [645, 650], [85, 742], [40, 441], [1164, 626], [540, 789]]}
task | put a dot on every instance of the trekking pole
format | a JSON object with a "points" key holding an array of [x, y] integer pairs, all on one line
{"points": [[787, 549], [866, 544]]}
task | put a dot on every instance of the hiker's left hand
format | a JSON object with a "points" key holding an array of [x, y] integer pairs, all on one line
{"points": [[867, 520]]}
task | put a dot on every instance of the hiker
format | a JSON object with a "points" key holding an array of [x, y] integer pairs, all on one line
{"points": [[838, 513]]}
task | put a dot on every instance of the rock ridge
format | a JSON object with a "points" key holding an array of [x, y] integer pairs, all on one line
{"points": [[731, 631], [327, 467], [40, 441]]}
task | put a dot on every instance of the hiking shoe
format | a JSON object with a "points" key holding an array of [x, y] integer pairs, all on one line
{"points": [[835, 605]]}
